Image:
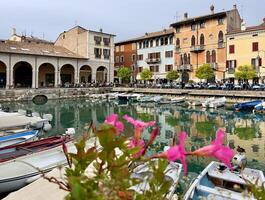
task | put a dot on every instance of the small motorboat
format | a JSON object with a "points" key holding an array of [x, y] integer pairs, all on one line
{"points": [[217, 181], [250, 105], [12, 137], [207, 101], [174, 100], [144, 173], [195, 103], [219, 102], [260, 108]]}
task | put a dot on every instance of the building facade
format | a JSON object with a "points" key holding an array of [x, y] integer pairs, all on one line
{"points": [[77, 56], [246, 46], [125, 55], [155, 51], [201, 40]]}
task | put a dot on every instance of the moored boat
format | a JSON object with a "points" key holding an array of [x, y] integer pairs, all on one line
{"points": [[206, 102], [219, 102], [250, 105]]}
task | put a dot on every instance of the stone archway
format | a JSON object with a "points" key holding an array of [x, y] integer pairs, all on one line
{"points": [[85, 74], [2, 75], [102, 74], [67, 75], [185, 77], [22, 75], [46, 76]]}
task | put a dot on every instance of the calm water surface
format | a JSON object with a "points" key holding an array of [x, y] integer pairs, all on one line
{"points": [[244, 129]]}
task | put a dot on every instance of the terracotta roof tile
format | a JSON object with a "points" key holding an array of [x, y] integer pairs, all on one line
{"points": [[248, 29]]}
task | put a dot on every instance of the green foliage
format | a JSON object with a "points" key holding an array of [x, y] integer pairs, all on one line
{"points": [[245, 133], [245, 72], [205, 72], [146, 117], [146, 75], [124, 73], [172, 75], [206, 128]]}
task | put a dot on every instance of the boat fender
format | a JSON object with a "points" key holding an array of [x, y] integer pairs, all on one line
{"points": [[70, 131], [49, 117], [47, 127]]}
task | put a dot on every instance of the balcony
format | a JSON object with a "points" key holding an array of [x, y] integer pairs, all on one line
{"points": [[187, 67], [177, 49], [153, 60], [221, 45], [214, 66], [197, 48]]}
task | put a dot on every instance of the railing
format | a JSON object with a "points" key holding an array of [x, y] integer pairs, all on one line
{"points": [[187, 67], [221, 45], [177, 49], [214, 66], [231, 70], [153, 60], [197, 48]]}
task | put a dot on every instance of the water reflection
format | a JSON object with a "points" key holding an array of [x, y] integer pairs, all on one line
{"points": [[244, 129]]}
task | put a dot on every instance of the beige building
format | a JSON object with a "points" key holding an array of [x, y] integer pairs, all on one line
{"points": [[246, 46], [77, 56]]}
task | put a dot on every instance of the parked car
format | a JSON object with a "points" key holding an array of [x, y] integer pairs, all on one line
{"points": [[212, 87], [238, 87]]}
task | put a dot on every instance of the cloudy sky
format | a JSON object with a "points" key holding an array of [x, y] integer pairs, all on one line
{"points": [[125, 18]]}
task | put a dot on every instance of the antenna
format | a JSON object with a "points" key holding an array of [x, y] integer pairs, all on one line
{"points": [[176, 17], [76, 22], [43, 35]]}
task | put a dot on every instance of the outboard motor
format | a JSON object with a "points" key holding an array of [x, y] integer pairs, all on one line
{"points": [[28, 113], [47, 127], [70, 131], [239, 160], [5, 109]]}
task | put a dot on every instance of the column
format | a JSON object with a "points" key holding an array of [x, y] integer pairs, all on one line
{"points": [[94, 75], [7, 77], [33, 78], [76, 75], [37, 78], [56, 72]]}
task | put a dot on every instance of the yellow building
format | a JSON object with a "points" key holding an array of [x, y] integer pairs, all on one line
{"points": [[246, 47]]}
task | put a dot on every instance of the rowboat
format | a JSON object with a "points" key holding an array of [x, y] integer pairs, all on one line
{"points": [[22, 164], [144, 173], [216, 181], [250, 105], [217, 102], [17, 136]]}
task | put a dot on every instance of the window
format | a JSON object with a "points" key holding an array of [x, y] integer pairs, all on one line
{"points": [[97, 40], [169, 54], [202, 39], [188, 58], [140, 45], [231, 49], [157, 42], [255, 35], [106, 53], [154, 68], [133, 46], [162, 41], [213, 56], [178, 43], [168, 68], [231, 64], [171, 40], [147, 44], [117, 49], [193, 41], [255, 46], [178, 29], [140, 69], [166, 41], [185, 59], [193, 27], [202, 24], [117, 59], [122, 59], [133, 57], [151, 43], [254, 62], [140, 57], [220, 37], [220, 21], [154, 55], [208, 57], [122, 48], [97, 52], [106, 41], [181, 60]]}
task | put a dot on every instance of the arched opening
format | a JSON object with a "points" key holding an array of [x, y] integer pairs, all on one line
{"points": [[221, 37], [178, 43], [181, 60], [214, 56], [185, 59], [193, 41], [23, 75], [102, 74], [202, 39], [46, 75], [185, 77], [2, 75], [208, 57], [85, 74], [188, 58], [67, 75]]}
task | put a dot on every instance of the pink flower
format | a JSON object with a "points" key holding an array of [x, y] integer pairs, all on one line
{"points": [[152, 138], [134, 143], [113, 120], [176, 152], [217, 150], [138, 125]]}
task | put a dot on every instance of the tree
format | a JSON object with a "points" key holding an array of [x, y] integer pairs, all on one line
{"points": [[245, 72], [146, 75], [125, 74], [205, 72], [172, 75]]}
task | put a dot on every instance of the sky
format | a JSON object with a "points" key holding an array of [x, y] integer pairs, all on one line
{"points": [[124, 18]]}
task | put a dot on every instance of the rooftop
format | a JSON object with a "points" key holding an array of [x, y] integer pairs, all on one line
{"points": [[249, 29]]}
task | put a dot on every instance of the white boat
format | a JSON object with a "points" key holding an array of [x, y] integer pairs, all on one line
{"points": [[18, 172], [143, 173], [174, 100], [16, 137], [217, 102], [216, 181], [195, 103], [206, 102]]}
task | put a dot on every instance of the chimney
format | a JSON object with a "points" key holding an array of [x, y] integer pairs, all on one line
{"points": [[101, 30], [234, 6], [185, 15], [14, 32], [212, 9], [243, 25]]}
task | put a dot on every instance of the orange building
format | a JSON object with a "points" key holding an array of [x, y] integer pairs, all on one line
{"points": [[125, 56], [201, 40]]}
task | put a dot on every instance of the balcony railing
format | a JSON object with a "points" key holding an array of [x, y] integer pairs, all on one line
{"points": [[153, 60], [231, 70], [177, 49], [214, 66], [187, 67], [221, 45], [197, 48]]}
